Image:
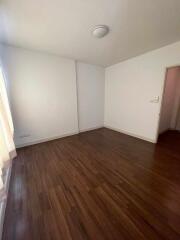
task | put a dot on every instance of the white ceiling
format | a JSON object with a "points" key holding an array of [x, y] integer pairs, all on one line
{"points": [[64, 27]]}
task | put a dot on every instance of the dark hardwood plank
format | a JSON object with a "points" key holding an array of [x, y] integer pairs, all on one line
{"points": [[96, 185]]}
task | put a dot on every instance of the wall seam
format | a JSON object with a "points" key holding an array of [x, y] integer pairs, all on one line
{"points": [[77, 95]]}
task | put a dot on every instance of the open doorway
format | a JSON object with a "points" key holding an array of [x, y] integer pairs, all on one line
{"points": [[170, 111]]}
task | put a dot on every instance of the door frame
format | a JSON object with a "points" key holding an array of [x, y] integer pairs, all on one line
{"points": [[177, 116], [162, 98]]}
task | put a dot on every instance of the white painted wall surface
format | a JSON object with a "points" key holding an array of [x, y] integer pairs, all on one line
{"points": [[2, 49], [131, 85], [90, 84], [43, 95], [1, 53]]}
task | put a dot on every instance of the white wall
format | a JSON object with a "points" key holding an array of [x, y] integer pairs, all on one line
{"points": [[43, 95], [131, 85], [2, 49], [169, 104], [90, 83]]}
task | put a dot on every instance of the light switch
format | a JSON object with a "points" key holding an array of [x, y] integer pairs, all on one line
{"points": [[155, 100]]}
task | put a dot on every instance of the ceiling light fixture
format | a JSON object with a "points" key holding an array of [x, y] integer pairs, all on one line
{"points": [[100, 31]]}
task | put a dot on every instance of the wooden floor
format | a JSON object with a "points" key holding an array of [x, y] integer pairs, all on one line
{"points": [[96, 185]]}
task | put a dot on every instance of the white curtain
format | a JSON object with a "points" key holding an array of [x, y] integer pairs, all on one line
{"points": [[7, 147]]}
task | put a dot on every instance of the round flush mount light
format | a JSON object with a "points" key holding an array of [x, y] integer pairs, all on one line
{"points": [[100, 31]]}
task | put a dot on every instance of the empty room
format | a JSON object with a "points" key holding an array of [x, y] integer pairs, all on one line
{"points": [[89, 120]]}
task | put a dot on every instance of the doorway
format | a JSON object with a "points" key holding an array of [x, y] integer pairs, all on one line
{"points": [[170, 111]]}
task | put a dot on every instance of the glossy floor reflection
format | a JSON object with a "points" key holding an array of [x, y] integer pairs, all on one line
{"points": [[96, 185]]}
